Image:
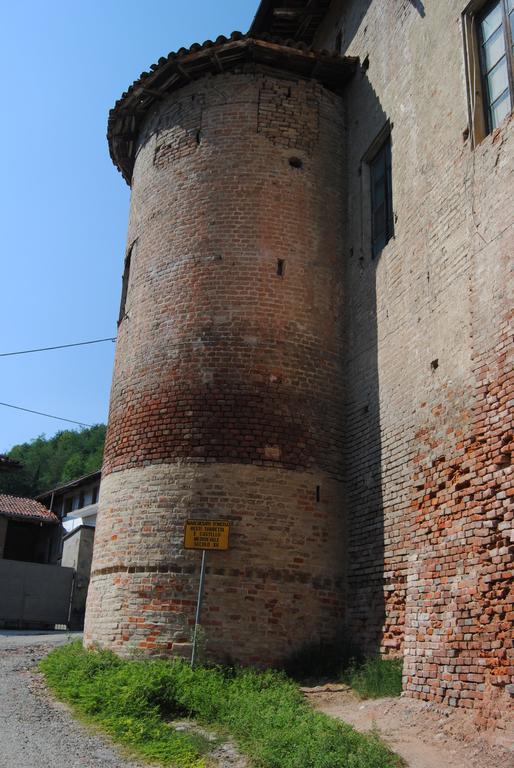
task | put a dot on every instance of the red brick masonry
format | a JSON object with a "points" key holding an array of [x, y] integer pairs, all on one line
{"points": [[227, 396]]}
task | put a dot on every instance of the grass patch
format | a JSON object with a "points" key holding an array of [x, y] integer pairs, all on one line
{"points": [[264, 713], [375, 678]]}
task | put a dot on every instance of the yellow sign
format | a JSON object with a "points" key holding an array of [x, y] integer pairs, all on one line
{"points": [[206, 534]]}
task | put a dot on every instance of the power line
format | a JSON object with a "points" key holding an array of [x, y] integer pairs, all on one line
{"points": [[61, 346], [48, 415]]}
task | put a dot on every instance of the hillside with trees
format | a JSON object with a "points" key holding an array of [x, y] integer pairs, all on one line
{"points": [[50, 462]]}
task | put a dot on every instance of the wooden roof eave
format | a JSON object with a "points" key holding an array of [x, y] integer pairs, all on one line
{"points": [[129, 112]]}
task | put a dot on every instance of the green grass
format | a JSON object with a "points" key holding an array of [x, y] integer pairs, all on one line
{"points": [[264, 713], [375, 678]]}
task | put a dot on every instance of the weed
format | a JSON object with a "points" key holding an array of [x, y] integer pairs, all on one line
{"points": [[264, 712], [375, 678]]}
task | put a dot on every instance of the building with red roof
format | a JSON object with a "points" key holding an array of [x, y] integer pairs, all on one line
{"points": [[28, 530]]}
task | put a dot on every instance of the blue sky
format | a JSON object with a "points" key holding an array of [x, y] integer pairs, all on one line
{"points": [[63, 205]]}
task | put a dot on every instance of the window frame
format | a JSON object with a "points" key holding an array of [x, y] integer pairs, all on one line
{"points": [[125, 281], [478, 103], [382, 141]]}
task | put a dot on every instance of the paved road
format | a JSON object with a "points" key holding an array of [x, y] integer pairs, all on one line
{"points": [[35, 731], [11, 639]]}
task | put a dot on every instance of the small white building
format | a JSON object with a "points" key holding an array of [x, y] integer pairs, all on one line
{"points": [[76, 502]]}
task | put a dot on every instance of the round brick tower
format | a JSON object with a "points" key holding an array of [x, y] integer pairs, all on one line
{"points": [[228, 381]]}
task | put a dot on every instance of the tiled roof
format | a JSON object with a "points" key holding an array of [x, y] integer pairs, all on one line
{"points": [[16, 508], [91, 477], [187, 64]]}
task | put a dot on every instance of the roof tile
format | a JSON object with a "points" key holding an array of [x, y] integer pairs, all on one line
{"points": [[181, 67], [15, 507]]}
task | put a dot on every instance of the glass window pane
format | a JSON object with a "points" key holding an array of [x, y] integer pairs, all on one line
{"points": [[498, 80], [491, 21], [379, 193], [381, 204], [500, 109], [494, 49], [377, 176], [377, 165], [379, 220], [510, 4]]}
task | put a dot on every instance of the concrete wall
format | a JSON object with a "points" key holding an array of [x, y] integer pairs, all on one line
{"points": [[428, 449], [228, 382], [77, 553], [33, 595], [3, 534]]}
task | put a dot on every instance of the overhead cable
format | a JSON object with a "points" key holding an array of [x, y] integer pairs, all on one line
{"points": [[48, 415], [61, 346]]}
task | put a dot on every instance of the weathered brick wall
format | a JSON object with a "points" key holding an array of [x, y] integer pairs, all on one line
{"points": [[227, 389], [280, 585], [429, 362], [220, 358]]}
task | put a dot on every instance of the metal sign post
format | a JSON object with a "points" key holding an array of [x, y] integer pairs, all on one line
{"points": [[198, 607], [204, 535]]}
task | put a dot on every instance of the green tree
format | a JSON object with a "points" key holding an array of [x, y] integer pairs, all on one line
{"points": [[48, 463]]}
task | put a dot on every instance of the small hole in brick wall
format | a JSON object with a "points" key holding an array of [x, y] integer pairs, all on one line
{"points": [[365, 409], [318, 494], [434, 364], [198, 137], [295, 162], [281, 267], [288, 94]]}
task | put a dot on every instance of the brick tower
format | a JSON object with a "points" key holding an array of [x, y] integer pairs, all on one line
{"points": [[228, 382]]}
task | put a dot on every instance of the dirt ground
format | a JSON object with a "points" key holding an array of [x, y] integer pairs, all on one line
{"points": [[36, 731], [425, 735]]}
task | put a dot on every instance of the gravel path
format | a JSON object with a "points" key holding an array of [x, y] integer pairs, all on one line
{"points": [[35, 731]]}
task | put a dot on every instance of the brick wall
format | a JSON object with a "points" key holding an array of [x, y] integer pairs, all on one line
{"points": [[428, 340], [228, 383], [252, 359], [279, 586]]}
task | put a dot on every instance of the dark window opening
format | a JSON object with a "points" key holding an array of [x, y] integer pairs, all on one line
{"points": [[382, 220], [125, 284], [318, 494], [281, 267], [495, 26], [28, 542]]}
